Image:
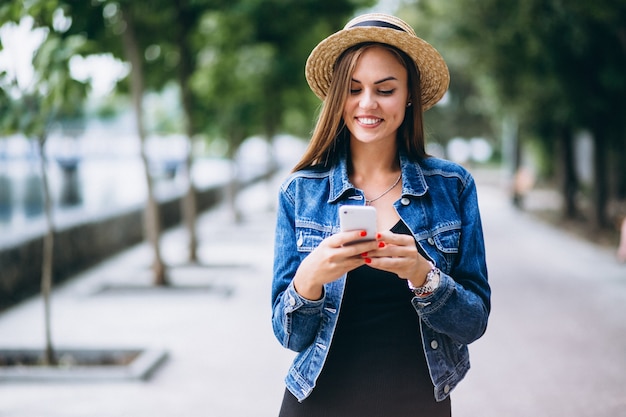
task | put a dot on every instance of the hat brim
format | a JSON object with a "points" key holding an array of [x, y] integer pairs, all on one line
{"points": [[434, 75]]}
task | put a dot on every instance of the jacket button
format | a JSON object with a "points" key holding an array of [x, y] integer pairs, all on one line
{"points": [[431, 241], [446, 389], [292, 301], [434, 344], [405, 201]]}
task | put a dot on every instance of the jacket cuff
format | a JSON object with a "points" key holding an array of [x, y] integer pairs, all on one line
{"points": [[295, 301], [437, 297]]}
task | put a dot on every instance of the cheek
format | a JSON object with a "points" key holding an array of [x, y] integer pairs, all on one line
{"points": [[348, 109], [349, 104], [399, 109]]}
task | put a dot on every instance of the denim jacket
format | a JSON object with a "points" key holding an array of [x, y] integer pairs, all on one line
{"points": [[439, 205]]}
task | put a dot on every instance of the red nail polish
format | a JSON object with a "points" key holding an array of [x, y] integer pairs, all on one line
{"points": [[378, 235], [368, 261], [363, 233], [381, 244], [364, 254]]}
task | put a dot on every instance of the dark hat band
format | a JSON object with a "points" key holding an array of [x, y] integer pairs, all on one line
{"points": [[378, 23]]}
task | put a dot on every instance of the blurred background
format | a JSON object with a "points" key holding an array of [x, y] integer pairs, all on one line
{"points": [[106, 106]]}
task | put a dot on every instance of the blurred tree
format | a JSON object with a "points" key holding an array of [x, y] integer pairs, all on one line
{"points": [[32, 109], [168, 46], [126, 24], [229, 77], [126, 29], [557, 66], [187, 15]]}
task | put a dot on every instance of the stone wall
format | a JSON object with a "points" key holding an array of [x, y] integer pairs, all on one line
{"points": [[82, 243]]}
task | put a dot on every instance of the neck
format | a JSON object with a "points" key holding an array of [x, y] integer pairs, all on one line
{"points": [[367, 161]]}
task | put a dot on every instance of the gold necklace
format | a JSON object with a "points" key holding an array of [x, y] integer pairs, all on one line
{"points": [[369, 202]]}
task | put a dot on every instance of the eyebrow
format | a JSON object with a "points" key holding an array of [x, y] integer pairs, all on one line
{"points": [[379, 81]]}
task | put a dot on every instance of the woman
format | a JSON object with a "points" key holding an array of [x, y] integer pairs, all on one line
{"points": [[382, 326]]}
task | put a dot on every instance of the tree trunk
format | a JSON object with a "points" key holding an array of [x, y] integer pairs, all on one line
{"points": [[620, 165], [233, 182], [48, 255], [569, 179], [271, 126], [152, 220], [190, 207], [185, 70], [600, 184]]}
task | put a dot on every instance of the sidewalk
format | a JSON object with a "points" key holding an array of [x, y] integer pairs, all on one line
{"points": [[556, 340], [551, 316]]}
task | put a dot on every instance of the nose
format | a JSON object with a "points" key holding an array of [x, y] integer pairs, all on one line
{"points": [[368, 100]]}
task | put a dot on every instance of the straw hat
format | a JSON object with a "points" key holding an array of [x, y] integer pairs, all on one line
{"points": [[381, 28]]}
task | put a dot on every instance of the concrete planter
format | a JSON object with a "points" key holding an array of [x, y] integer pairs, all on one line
{"points": [[80, 365]]}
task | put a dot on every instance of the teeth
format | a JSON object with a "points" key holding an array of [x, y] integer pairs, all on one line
{"points": [[368, 121]]}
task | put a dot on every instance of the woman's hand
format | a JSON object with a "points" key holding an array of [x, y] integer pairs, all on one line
{"points": [[334, 257], [397, 253]]}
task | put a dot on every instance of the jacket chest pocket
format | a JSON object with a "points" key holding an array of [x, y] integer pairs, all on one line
{"points": [[443, 244], [310, 235]]}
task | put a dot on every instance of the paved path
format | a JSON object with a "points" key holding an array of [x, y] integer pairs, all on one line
{"points": [[556, 342], [556, 345]]}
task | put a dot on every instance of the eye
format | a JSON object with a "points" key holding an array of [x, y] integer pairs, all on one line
{"points": [[355, 90], [386, 92]]}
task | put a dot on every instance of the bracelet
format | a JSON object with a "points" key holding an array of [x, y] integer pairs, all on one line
{"points": [[431, 284]]}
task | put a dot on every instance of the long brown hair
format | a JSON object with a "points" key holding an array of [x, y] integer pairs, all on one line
{"points": [[330, 132]]}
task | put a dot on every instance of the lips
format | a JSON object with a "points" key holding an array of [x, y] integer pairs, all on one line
{"points": [[369, 121]]}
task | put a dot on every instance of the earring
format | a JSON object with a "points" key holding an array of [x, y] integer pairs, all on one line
{"points": [[409, 104]]}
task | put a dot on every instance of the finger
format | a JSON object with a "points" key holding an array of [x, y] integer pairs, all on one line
{"points": [[362, 250], [386, 263], [395, 238], [353, 237], [399, 249], [343, 238], [393, 265]]}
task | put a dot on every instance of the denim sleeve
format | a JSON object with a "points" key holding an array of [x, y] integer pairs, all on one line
{"points": [[460, 307], [295, 320]]}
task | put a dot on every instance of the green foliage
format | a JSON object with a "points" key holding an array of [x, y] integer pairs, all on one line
{"points": [[465, 111], [557, 67], [52, 93], [539, 54], [10, 11], [62, 94], [8, 114], [229, 78]]}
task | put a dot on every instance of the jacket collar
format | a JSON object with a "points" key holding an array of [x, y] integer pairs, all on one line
{"points": [[413, 182]]}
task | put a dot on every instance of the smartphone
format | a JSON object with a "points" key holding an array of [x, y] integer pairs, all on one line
{"points": [[358, 218]]}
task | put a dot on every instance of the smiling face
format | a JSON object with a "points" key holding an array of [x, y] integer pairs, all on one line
{"points": [[376, 104]]}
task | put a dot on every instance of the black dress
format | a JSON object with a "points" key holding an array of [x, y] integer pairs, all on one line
{"points": [[376, 365]]}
